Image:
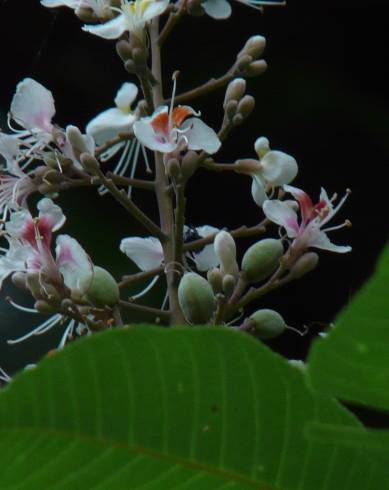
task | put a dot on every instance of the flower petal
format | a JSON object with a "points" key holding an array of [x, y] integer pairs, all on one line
{"points": [[217, 9], [278, 168], [145, 133], [109, 124], [33, 106], [73, 263], [206, 259], [154, 8], [321, 240], [18, 222], [282, 214], [73, 4], [200, 136], [126, 96], [51, 213], [9, 150], [258, 190], [306, 205], [147, 253], [109, 30]]}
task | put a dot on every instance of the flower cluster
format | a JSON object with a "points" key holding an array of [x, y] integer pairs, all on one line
{"points": [[200, 266]]}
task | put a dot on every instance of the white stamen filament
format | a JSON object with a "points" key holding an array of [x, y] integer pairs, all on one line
{"points": [[42, 328], [336, 209], [68, 333], [146, 289], [4, 376], [20, 307]]}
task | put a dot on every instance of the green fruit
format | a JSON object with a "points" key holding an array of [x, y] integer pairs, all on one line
{"points": [[103, 289], [196, 298], [267, 324], [262, 259]]}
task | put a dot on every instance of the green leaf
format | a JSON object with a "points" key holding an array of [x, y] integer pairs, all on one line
{"points": [[184, 408], [352, 362]]}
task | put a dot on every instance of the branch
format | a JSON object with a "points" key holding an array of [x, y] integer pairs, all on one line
{"points": [[114, 141], [180, 222], [172, 21], [242, 231], [117, 179], [140, 276], [145, 309]]}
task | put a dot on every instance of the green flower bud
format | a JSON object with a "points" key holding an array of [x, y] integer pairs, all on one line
{"points": [[267, 324], [123, 49], [90, 163], [196, 298], [20, 280], [246, 106], [103, 289], [189, 164], [254, 46], [229, 283], [256, 68], [262, 259], [44, 307]]}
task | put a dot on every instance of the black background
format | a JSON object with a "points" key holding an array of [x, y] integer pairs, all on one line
{"points": [[324, 100]]}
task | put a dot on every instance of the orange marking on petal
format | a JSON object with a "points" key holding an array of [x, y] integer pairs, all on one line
{"points": [[179, 115], [161, 123]]}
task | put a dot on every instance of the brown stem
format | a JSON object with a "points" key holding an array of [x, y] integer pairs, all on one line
{"points": [[242, 231], [140, 276], [117, 179], [145, 309], [162, 189], [180, 222], [147, 92], [172, 21], [112, 142], [206, 88]]}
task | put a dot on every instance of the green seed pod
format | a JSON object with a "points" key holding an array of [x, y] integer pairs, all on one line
{"points": [[103, 289], [196, 298], [215, 279], [267, 324], [262, 259]]}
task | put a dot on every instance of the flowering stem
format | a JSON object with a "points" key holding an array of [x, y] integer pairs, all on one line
{"points": [[172, 21], [117, 179], [147, 92], [112, 142], [162, 189], [180, 222]]}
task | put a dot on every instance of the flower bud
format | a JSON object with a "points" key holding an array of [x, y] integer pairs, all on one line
{"points": [[306, 263], [53, 177], [243, 61], [235, 91], [231, 108], [262, 146], [262, 259], [237, 119], [139, 56], [85, 14], [123, 49], [44, 307], [102, 290], [89, 163], [225, 249], [256, 68], [254, 46], [267, 324], [56, 160], [130, 66], [76, 138], [215, 279], [189, 165], [195, 8], [278, 168], [246, 106], [229, 283], [48, 189], [20, 280], [196, 298]]}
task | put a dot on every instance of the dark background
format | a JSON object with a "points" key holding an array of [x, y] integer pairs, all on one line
{"points": [[324, 100]]}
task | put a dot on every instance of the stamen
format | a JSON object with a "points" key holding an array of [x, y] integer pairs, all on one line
{"points": [[20, 307], [67, 334], [295, 330], [174, 78], [42, 328], [165, 301], [145, 290], [336, 209], [346, 224], [4, 376]]}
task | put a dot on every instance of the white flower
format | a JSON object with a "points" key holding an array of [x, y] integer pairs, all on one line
{"points": [[132, 18], [33, 108], [119, 119], [308, 232], [102, 8], [274, 169], [166, 131], [221, 9], [30, 248], [147, 253], [225, 249]]}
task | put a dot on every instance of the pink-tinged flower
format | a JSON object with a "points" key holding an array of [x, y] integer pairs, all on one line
{"points": [[273, 169], [132, 18], [30, 241], [101, 8], [167, 131], [33, 108], [308, 231]]}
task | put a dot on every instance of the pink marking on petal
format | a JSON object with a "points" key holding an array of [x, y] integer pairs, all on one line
{"points": [[292, 223]]}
